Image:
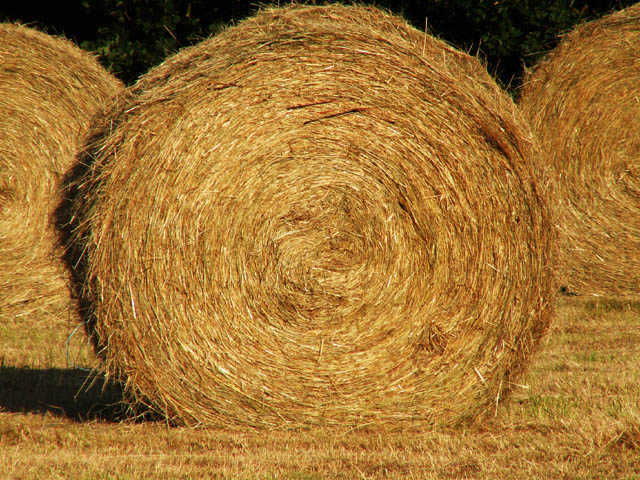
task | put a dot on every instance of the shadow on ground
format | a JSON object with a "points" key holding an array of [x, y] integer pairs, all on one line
{"points": [[74, 393]]}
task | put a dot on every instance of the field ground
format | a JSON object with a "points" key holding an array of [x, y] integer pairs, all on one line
{"points": [[576, 415]]}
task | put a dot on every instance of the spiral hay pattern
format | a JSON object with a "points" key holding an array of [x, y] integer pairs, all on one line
{"points": [[49, 88], [582, 100], [320, 216]]}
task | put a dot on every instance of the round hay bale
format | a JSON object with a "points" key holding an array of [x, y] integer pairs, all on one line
{"points": [[49, 89], [320, 216], [582, 101]]}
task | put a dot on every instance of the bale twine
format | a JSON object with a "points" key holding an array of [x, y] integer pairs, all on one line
{"points": [[49, 88], [582, 100], [320, 216]]}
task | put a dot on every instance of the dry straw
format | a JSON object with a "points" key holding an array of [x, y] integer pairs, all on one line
{"points": [[583, 101], [49, 88], [320, 216]]}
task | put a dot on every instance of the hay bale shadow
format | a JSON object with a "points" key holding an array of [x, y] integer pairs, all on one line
{"points": [[73, 393]]}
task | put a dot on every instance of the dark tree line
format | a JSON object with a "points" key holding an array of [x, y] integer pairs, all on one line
{"points": [[133, 35]]}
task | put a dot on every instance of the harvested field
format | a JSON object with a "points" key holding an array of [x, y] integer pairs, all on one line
{"points": [[321, 216], [575, 414], [582, 101]]}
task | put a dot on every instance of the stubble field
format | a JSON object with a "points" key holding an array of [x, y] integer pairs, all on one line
{"points": [[576, 415]]}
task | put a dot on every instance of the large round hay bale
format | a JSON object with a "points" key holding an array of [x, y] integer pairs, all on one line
{"points": [[319, 216], [49, 89], [582, 101]]}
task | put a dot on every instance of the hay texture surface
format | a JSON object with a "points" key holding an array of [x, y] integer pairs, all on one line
{"points": [[49, 88], [583, 101], [320, 216]]}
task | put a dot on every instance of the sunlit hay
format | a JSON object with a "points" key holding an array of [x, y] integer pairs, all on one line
{"points": [[320, 216], [49, 88], [583, 101]]}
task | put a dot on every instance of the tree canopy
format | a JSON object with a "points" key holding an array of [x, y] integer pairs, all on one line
{"points": [[133, 35]]}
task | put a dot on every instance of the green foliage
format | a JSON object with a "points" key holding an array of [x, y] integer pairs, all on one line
{"points": [[137, 34], [133, 35], [508, 35]]}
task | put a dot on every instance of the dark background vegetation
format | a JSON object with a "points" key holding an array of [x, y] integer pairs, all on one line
{"points": [[133, 35]]}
